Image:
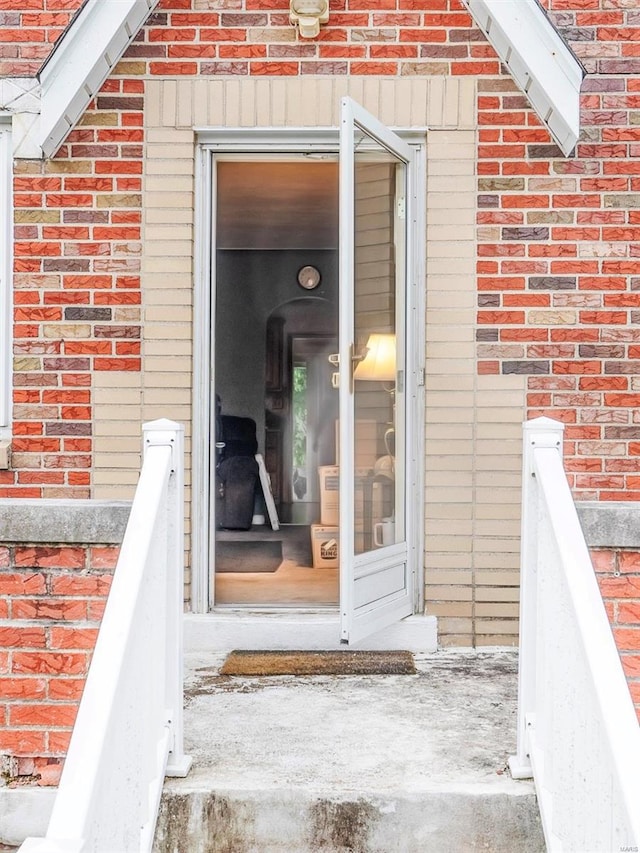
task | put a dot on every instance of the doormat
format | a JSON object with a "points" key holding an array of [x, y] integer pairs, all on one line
{"points": [[256, 555], [318, 663]]}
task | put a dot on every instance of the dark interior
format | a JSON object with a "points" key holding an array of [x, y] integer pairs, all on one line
{"points": [[271, 346]]}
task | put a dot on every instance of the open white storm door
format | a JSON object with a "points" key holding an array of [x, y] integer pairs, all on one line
{"points": [[376, 580]]}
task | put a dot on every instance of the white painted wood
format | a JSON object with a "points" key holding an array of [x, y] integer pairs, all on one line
{"points": [[202, 459], [265, 484], [128, 732], [244, 143], [83, 58], [232, 628], [578, 733], [538, 59], [369, 600], [6, 255]]}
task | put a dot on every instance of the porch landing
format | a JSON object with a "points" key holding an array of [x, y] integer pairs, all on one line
{"points": [[367, 763]]}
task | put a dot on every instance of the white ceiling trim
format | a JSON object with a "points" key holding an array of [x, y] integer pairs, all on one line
{"points": [[82, 60], [539, 61]]}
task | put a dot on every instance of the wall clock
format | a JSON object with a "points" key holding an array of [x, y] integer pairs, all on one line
{"points": [[308, 277]]}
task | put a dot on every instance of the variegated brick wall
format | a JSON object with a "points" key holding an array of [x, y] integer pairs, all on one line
{"points": [[531, 308]]}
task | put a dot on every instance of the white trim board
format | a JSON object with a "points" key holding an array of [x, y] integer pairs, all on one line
{"points": [[536, 56], [538, 59], [82, 60], [252, 143], [228, 629]]}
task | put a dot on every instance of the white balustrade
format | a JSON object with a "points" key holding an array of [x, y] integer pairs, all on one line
{"points": [[128, 732], [578, 734]]}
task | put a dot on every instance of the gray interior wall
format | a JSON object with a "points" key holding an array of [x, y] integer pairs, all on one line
{"points": [[251, 285]]}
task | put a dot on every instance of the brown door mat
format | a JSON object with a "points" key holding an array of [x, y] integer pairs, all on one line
{"points": [[293, 662]]}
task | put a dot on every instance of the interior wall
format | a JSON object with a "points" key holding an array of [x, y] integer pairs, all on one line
{"points": [[251, 285]]}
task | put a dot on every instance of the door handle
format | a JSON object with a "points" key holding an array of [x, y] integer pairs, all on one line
{"points": [[355, 359], [334, 360]]}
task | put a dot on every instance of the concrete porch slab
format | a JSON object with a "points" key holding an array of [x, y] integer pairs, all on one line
{"points": [[370, 763]]}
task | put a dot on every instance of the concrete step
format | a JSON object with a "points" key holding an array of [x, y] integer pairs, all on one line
{"points": [[370, 764]]}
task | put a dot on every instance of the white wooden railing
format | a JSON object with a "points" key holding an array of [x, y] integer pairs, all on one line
{"points": [[128, 732], [578, 735]]}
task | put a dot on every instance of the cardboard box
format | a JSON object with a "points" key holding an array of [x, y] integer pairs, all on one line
{"points": [[325, 546], [329, 476], [329, 494]]}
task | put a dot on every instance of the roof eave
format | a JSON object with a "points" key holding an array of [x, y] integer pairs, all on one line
{"points": [[538, 59], [82, 60]]}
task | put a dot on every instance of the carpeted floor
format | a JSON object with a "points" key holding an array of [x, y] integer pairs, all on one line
{"points": [[347, 662]]}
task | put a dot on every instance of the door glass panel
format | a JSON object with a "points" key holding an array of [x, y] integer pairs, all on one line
{"points": [[379, 345]]}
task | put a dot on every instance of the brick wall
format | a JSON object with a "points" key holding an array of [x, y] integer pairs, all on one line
{"points": [[618, 573], [558, 253], [51, 602], [558, 262], [558, 259]]}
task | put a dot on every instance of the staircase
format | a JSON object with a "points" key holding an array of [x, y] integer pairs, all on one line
{"points": [[369, 763]]}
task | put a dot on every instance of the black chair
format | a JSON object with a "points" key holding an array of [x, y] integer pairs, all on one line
{"points": [[236, 472]]}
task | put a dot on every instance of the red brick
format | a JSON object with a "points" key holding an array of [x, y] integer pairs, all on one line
{"points": [[41, 714], [526, 334], [115, 364], [23, 688], [64, 557], [631, 665], [95, 608], [629, 614], [50, 663], [48, 770], [59, 742], [603, 318], [583, 366], [80, 585], [22, 637], [603, 560], [22, 583], [604, 383], [61, 637], [626, 400], [627, 638], [501, 317], [629, 562], [68, 689], [49, 608], [104, 557], [22, 741]]}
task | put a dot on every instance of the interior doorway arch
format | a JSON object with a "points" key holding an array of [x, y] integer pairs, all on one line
{"points": [[301, 406]]}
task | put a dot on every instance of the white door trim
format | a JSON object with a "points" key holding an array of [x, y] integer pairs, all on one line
{"points": [[256, 141]]}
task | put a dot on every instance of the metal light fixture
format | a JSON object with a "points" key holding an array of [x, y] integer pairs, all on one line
{"points": [[307, 15]]}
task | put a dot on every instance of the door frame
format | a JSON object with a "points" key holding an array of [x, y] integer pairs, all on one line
{"points": [[252, 143]]}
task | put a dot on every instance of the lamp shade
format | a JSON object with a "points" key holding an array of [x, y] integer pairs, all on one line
{"points": [[379, 363]]}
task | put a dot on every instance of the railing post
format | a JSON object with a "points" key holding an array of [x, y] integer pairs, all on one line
{"points": [[166, 432], [539, 432]]}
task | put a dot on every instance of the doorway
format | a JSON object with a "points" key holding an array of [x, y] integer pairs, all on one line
{"points": [[274, 331], [377, 257]]}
